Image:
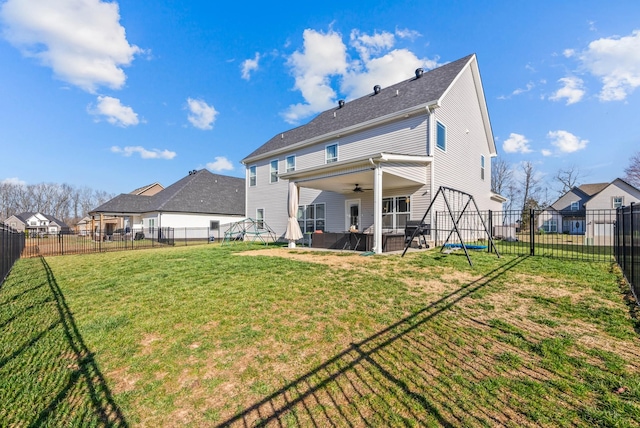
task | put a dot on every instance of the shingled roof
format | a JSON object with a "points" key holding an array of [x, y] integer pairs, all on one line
{"points": [[201, 192], [413, 92]]}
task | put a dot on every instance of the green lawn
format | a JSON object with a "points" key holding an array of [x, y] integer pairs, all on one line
{"points": [[207, 336]]}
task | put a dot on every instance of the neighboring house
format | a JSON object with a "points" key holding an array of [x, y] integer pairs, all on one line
{"points": [[200, 200], [37, 223], [588, 210], [375, 162], [110, 222]]}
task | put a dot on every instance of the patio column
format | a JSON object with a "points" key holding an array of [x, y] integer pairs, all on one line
{"points": [[377, 209]]}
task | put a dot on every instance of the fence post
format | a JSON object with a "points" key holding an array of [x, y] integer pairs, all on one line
{"points": [[490, 246], [631, 235], [623, 243], [532, 234]]}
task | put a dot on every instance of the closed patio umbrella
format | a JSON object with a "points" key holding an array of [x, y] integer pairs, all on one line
{"points": [[293, 232]]}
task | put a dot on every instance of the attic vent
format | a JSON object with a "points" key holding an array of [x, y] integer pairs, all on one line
{"points": [[340, 103], [419, 73], [377, 89]]}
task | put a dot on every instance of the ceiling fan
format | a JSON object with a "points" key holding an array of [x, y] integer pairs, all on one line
{"points": [[358, 189]]}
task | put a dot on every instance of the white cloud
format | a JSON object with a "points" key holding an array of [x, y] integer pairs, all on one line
{"points": [[250, 65], [220, 164], [568, 53], [144, 153], [546, 152], [14, 181], [325, 57], [573, 90], [406, 33], [114, 112], [81, 40], [566, 142], [516, 143], [616, 61], [201, 115], [386, 70]]}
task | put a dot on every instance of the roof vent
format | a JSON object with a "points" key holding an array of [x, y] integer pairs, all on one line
{"points": [[193, 171], [419, 73], [340, 103], [377, 89]]}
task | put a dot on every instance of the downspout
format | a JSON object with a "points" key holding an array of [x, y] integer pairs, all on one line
{"points": [[430, 136]]}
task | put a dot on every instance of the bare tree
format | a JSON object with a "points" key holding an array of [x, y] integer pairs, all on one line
{"points": [[59, 200], [632, 172], [530, 186], [501, 176], [568, 178]]}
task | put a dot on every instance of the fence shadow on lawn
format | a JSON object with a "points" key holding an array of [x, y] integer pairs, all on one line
{"points": [[398, 373], [63, 384]]}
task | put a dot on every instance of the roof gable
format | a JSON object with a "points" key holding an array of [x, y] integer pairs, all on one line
{"points": [[201, 192], [411, 93]]}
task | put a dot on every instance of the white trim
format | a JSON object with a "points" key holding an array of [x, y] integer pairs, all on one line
{"points": [[271, 180], [347, 213], [438, 124], [286, 163], [255, 167], [326, 160]]}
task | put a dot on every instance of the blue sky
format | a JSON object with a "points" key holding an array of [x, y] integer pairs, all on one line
{"points": [[114, 96]]}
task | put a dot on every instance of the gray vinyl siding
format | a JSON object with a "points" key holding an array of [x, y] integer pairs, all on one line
{"points": [[459, 166]]}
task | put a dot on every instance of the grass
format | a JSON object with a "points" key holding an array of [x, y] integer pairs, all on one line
{"points": [[205, 336]]}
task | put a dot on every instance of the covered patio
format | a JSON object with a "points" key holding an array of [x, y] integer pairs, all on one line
{"points": [[372, 178]]}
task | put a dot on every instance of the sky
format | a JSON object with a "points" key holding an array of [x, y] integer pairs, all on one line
{"points": [[117, 95]]}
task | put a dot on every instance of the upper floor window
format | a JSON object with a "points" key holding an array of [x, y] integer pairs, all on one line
{"points": [[291, 163], [618, 201], [273, 171], [481, 167], [331, 153], [441, 137], [252, 175], [575, 206]]}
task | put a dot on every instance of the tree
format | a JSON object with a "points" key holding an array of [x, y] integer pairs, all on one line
{"points": [[501, 176], [530, 188], [569, 178], [632, 172]]}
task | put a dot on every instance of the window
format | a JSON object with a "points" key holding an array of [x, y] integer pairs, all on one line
{"points": [[331, 153], [618, 201], [311, 217], [260, 218], [481, 167], [291, 163], [550, 226], [441, 137], [273, 171], [575, 206], [214, 225], [252, 175], [395, 212]]}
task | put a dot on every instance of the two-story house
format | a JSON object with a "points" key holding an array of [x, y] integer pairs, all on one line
{"points": [[588, 210], [37, 224], [372, 163]]}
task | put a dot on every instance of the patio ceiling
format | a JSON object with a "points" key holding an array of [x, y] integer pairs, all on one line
{"points": [[342, 177]]}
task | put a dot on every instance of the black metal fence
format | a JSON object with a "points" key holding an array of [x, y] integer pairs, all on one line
{"points": [[628, 245], [582, 235], [84, 243], [11, 245]]}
